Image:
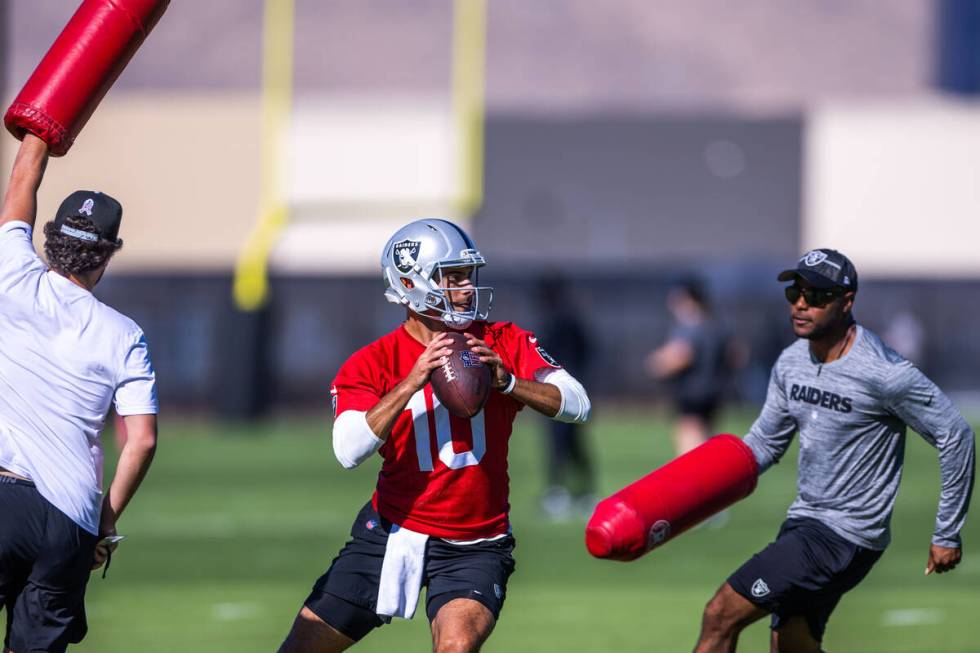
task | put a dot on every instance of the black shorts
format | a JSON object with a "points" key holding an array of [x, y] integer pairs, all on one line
{"points": [[45, 560], [346, 596], [803, 573], [704, 408]]}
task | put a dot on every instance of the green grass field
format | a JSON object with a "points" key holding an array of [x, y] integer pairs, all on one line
{"points": [[234, 524]]}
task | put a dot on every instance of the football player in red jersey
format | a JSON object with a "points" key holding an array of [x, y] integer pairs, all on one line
{"points": [[438, 517]]}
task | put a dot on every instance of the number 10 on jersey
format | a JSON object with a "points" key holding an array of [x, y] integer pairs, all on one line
{"points": [[423, 416]]}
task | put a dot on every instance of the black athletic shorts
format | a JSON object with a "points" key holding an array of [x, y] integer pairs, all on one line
{"points": [[704, 408], [45, 560], [804, 572], [346, 596]]}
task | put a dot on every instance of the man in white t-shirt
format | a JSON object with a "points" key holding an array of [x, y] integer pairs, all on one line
{"points": [[64, 358]]}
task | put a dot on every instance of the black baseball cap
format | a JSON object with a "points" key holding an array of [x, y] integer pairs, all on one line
{"points": [[824, 268], [104, 212]]}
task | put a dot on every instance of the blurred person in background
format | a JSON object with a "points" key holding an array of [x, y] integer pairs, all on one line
{"points": [[696, 362], [851, 398], [569, 469], [65, 357], [439, 514]]}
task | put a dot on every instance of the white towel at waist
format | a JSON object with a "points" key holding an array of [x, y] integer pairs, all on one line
{"points": [[401, 573]]}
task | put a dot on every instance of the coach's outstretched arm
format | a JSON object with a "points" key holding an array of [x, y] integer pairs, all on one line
{"points": [[772, 432], [918, 402], [20, 202], [134, 461]]}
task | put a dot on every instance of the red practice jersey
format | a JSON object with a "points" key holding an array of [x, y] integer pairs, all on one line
{"points": [[442, 475]]}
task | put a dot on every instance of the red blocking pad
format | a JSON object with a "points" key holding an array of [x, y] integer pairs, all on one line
{"points": [[80, 68], [670, 500]]}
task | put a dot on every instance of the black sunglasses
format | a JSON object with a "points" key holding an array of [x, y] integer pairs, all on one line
{"points": [[816, 297]]}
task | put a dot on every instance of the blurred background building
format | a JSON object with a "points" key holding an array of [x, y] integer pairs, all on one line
{"points": [[617, 145]]}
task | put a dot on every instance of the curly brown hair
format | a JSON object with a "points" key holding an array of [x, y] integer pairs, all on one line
{"points": [[70, 255]]}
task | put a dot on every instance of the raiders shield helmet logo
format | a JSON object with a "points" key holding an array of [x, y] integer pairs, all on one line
{"points": [[404, 255]]}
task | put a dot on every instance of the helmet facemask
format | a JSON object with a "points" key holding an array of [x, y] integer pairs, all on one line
{"points": [[446, 297], [428, 264]]}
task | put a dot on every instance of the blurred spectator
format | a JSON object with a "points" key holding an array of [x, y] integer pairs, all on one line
{"points": [[696, 361], [569, 466]]}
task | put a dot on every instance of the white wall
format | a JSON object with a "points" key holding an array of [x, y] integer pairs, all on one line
{"points": [[359, 168], [184, 166], [896, 188]]}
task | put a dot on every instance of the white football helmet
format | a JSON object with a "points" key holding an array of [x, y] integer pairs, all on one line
{"points": [[411, 266]]}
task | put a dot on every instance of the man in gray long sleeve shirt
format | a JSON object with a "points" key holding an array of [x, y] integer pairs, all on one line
{"points": [[851, 398]]}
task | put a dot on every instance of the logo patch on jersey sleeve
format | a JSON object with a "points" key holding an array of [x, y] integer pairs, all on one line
{"points": [[546, 357]]}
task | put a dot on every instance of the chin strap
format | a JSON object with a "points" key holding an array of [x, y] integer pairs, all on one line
{"points": [[455, 322]]}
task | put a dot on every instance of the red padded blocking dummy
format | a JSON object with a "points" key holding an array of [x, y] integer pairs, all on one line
{"points": [[672, 499], [79, 69]]}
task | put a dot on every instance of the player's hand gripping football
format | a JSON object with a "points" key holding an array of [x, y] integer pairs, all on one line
{"points": [[942, 559], [433, 357], [499, 374]]}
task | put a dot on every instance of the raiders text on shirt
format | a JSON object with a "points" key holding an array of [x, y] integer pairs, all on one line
{"points": [[819, 397]]}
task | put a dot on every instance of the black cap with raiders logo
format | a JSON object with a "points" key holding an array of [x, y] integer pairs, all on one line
{"points": [[104, 212], [824, 268]]}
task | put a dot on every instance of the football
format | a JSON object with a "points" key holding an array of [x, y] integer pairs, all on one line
{"points": [[462, 384]]}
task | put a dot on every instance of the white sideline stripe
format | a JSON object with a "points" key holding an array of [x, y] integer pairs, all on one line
{"points": [[233, 611], [913, 617]]}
